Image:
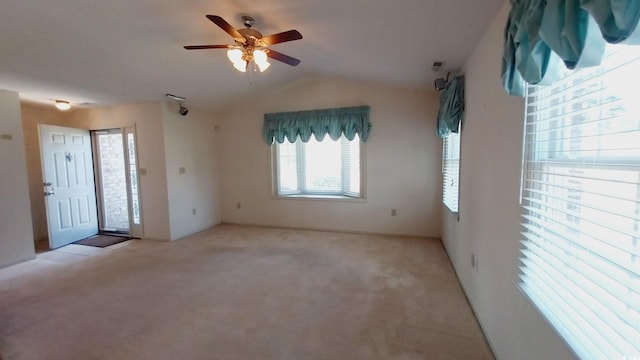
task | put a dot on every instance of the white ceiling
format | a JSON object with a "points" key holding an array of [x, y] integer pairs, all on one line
{"points": [[123, 51]]}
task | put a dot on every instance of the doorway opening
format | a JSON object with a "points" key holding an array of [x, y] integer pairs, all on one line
{"points": [[90, 182], [117, 188]]}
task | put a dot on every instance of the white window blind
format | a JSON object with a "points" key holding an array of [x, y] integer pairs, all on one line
{"points": [[451, 170], [323, 168], [580, 197]]}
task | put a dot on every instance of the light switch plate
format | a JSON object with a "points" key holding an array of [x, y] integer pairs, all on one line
{"points": [[143, 171], [6, 136], [181, 171]]}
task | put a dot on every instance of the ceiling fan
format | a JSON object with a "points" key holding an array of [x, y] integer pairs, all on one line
{"points": [[250, 45]]}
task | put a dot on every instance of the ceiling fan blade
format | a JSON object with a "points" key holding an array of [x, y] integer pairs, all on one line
{"points": [[202, 47], [224, 25], [282, 57], [282, 37]]}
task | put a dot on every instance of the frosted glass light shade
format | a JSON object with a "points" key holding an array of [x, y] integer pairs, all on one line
{"points": [[240, 66], [63, 105], [234, 55], [237, 58], [260, 58]]}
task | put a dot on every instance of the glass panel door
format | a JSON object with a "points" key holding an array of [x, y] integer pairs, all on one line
{"points": [[133, 183], [117, 182], [112, 183]]}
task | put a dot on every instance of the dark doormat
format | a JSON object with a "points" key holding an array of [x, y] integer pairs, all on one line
{"points": [[101, 240]]}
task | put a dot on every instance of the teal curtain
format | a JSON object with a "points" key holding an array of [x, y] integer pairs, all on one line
{"points": [[347, 121], [451, 107], [540, 35]]}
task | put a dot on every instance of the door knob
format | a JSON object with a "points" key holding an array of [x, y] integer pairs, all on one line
{"points": [[48, 193], [46, 184]]}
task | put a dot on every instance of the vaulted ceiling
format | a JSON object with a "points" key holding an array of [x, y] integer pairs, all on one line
{"points": [[122, 51]]}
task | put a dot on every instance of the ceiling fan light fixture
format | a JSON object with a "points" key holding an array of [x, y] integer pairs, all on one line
{"points": [[260, 58], [62, 105], [235, 55], [240, 66], [263, 67], [237, 58], [250, 45]]}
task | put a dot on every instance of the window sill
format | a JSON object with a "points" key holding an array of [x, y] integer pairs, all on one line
{"points": [[319, 197]]}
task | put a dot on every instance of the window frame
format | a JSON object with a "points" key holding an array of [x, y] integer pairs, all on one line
{"points": [[445, 166], [546, 154], [343, 195]]}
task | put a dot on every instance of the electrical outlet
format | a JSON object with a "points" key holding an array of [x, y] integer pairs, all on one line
{"points": [[193, 211], [182, 171], [238, 206], [394, 212], [143, 171]]}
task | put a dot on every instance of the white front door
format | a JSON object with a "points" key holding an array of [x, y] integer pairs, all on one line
{"points": [[69, 186]]}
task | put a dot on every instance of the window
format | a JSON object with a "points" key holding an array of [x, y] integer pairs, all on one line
{"points": [[580, 197], [451, 170], [324, 168]]}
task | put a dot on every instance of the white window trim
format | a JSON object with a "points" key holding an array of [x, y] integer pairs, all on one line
{"points": [[582, 324], [318, 196], [455, 211]]}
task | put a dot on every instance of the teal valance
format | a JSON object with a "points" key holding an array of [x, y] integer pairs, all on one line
{"points": [[347, 121], [541, 35], [451, 107]]}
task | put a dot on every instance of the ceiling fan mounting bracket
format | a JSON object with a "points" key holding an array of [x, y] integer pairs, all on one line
{"points": [[250, 35]]}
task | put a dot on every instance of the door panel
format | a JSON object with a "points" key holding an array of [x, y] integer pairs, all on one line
{"points": [[69, 188], [64, 214], [84, 209]]}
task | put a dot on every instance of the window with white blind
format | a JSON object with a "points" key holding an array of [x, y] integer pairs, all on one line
{"points": [[324, 168], [451, 171], [580, 197]]}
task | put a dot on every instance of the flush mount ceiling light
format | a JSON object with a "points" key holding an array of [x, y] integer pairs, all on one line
{"points": [[251, 46], [63, 105]]}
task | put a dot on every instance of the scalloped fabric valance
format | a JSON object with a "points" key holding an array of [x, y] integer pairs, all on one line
{"points": [[451, 107], [335, 122], [541, 35]]}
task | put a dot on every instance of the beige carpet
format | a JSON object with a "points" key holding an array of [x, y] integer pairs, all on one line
{"points": [[236, 292]]}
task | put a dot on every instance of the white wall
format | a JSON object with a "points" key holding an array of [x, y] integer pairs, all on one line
{"points": [[491, 146], [402, 161], [16, 234], [147, 118], [190, 143], [166, 142]]}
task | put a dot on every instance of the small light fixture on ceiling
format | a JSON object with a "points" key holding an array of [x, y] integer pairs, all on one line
{"points": [[441, 83], [63, 105], [181, 109], [241, 58]]}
